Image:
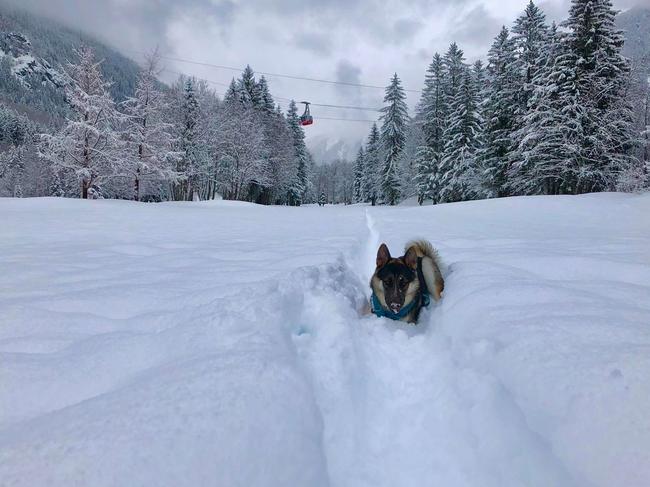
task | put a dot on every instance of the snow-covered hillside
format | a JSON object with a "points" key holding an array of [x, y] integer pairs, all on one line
{"points": [[220, 344]]}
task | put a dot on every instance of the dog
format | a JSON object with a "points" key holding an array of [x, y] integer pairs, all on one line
{"points": [[401, 286]]}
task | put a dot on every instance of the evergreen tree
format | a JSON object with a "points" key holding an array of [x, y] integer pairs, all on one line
{"points": [[545, 146], [455, 70], [359, 195], [232, 93], [499, 113], [393, 137], [579, 133], [529, 39], [461, 142], [56, 188], [249, 91], [433, 113], [594, 44], [372, 166], [12, 170], [462, 130], [531, 42], [191, 148], [278, 141], [645, 134], [266, 99], [88, 144], [300, 182]]}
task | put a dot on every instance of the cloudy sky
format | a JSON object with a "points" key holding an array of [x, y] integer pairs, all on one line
{"points": [[357, 41]]}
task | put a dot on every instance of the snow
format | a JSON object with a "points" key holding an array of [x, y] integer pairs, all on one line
{"points": [[22, 62], [220, 343]]}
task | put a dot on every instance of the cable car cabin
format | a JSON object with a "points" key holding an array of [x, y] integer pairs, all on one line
{"points": [[306, 118]]}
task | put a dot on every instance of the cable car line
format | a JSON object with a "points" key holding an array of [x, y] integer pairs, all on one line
{"points": [[346, 119], [327, 105], [278, 75], [306, 117]]}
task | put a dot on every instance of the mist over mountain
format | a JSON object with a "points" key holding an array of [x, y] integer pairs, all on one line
{"points": [[326, 150]]}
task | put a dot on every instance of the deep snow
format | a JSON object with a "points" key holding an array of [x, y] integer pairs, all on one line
{"points": [[220, 344]]}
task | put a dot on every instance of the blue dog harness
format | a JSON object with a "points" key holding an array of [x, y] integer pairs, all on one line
{"points": [[379, 310]]}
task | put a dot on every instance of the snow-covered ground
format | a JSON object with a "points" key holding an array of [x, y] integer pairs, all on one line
{"points": [[220, 344]]}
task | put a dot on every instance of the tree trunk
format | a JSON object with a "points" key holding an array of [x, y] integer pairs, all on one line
{"points": [[646, 152], [136, 188]]}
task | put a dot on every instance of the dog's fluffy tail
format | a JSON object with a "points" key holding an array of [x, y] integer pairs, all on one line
{"points": [[430, 266]]}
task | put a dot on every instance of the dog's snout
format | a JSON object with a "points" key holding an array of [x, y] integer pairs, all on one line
{"points": [[395, 307]]}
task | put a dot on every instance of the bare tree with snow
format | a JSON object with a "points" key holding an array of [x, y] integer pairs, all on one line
{"points": [[88, 144], [147, 134]]}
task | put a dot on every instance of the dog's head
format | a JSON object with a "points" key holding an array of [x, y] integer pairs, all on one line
{"points": [[395, 281]]}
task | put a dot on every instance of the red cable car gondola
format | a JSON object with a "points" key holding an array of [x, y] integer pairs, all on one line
{"points": [[306, 118]]}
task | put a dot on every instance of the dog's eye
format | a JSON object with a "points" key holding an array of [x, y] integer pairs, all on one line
{"points": [[388, 282]]}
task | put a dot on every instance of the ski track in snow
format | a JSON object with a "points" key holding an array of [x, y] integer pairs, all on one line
{"points": [[532, 371]]}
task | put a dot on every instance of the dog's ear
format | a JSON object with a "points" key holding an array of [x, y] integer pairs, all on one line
{"points": [[383, 256], [411, 258]]}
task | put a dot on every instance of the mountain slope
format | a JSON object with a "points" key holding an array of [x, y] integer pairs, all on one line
{"points": [[33, 51]]}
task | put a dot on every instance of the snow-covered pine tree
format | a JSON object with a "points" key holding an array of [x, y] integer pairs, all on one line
{"points": [[249, 90], [12, 170], [232, 93], [639, 97], [310, 194], [529, 39], [478, 88], [188, 143], [55, 187], [454, 70], [408, 167], [372, 166], [645, 134], [146, 132], [278, 142], [425, 166], [299, 184], [393, 136], [545, 145], [462, 133], [595, 44], [498, 112], [88, 144], [358, 176], [580, 132], [266, 99], [432, 113]]}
